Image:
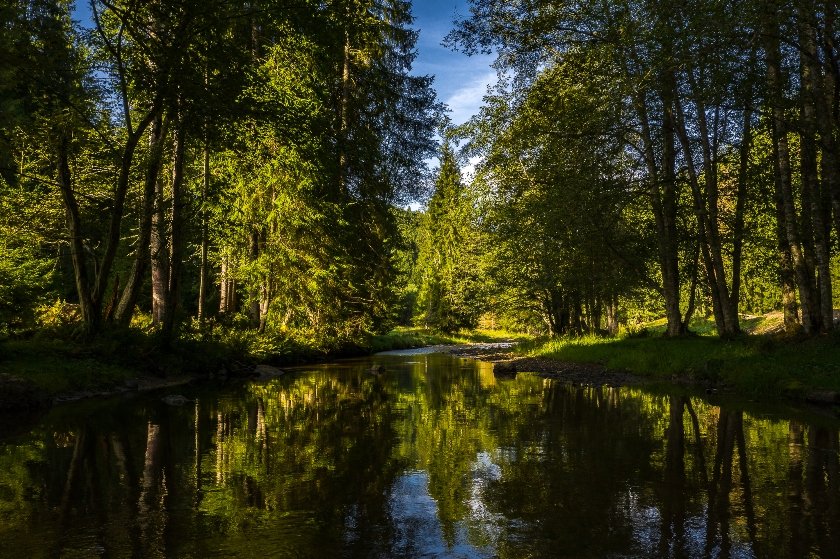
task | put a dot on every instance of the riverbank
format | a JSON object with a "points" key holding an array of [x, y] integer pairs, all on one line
{"points": [[507, 362], [757, 366], [51, 367], [43, 369]]}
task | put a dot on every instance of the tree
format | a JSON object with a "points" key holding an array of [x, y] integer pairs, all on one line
{"points": [[449, 296], [685, 116]]}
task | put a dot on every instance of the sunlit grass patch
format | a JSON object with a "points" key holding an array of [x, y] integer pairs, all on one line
{"points": [[751, 365]]}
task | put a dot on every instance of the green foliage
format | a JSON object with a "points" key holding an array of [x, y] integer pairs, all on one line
{"points": [[559, 210], [24, 277], [449, 270]]}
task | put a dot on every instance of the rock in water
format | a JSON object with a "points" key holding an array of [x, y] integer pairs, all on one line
{"points": [[504, 369], [267, 372], [376, 369], [175, 400]]}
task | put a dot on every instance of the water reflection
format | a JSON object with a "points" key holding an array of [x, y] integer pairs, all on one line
{"points": [[433, 458]]}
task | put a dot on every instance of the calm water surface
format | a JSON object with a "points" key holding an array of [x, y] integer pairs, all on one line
{"points": [[434, 458]]}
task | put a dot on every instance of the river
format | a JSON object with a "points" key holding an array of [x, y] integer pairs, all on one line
{"points": [[432, 458]]}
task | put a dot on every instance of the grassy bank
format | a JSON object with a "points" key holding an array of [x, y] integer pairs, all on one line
{"points": [[57, 363], [756, 365]]}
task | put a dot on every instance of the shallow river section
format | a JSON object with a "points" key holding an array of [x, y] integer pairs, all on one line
{"points": [[432, 458]]}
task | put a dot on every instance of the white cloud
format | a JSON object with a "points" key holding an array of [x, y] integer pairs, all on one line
{"points": [[468, 170], [466, 100]]}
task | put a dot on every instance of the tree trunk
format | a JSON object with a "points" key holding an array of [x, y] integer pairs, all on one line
{"points": [[344, 117], [612, 315], [227, 288], [814, 111], [832, 104], [706, 211], [176, 239], [664, 214], [692, 293], [112, 240], [90, 316], [131, 292], [667, 222], [159, 253], [788, 219], [703, 241], [741, 201], [790, 308], [202, 273], [255, 295], [265, 301]]}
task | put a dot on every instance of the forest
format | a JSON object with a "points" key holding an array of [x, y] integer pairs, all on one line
{"points": [[276, 171]]}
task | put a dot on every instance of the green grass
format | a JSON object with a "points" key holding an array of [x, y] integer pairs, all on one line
{"points": [[753, 365], [405, 338], [57, 363], [56, 366], [762, 364], [705, 326]]}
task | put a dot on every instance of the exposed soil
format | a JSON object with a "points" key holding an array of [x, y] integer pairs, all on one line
{"points": [[506, 364]]}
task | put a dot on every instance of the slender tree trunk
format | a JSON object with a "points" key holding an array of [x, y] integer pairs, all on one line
{"points": [[255, 295], [706, 210], [790, 307], [131, 292], [703, 237], [667, 264], [344, 108], [814, 112], [781, 167], [202, 274], [668, 209], [728, 307], [781, 152], [90, 317], [692, 293], [177, 240], [223, 287], [741, 202], [159, 253], [265, 302], [612, 315], [832, 104], [112, 240]]}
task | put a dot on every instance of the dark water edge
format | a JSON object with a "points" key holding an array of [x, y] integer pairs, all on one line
{"points": [[433, 458]]}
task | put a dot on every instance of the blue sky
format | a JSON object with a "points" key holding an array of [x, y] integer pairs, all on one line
{"points": [[460, 80]]}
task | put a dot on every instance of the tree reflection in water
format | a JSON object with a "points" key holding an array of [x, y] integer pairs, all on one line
{"points": [[435, 457]]}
